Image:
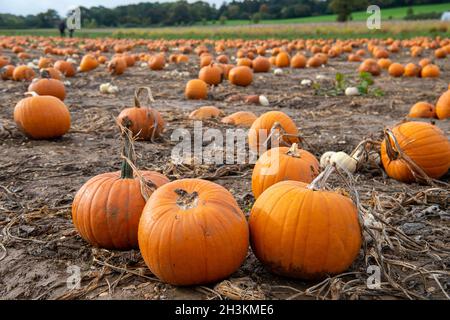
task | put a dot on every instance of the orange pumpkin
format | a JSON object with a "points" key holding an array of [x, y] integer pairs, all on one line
{"points": [[241, 76], [283, 163], [303, 233], [371, 66], [107, 209], [42, 117], [66, 68], [261, 64], [283, 60], [430, 71], [443, 106], [206, 112], [260, 129], [396, 70], [88, 63], [144, 122], [211, 74], [245, 62], [423, 143], [384, 63], [117, 66], [196, 89], [412, 70], [48, 87], [23, 73], [51, 73], [422, 110], [298, 61], [157, 62], [240, 118], [44, 62], [193, 232], [6, 72]]}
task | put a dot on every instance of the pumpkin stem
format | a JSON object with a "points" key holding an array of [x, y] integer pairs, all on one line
{"points": [[186, 200], [138, 92], [319, 182], [294, 151], [398, 154], [127, 151]]}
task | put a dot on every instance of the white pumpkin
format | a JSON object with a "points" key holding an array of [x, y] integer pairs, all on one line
{"points": [[325, 158], [263, 101], [344, 161]]}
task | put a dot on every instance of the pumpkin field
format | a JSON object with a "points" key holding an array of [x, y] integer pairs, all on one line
{"points": [[93, 204]]}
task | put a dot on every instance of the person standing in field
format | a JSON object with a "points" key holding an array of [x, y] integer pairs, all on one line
{"points": [[62, 28]]}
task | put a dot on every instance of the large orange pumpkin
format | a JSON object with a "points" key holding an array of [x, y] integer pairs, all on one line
{"points": [[107, 208], [42, 117], [65, 67], [443, 106], [23, 73], [283, 163], [193, 232], [425, 144], [261, 64], [144, 122], [304, 233], [260, 129]]}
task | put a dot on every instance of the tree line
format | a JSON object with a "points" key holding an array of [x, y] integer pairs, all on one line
{"points": [[183, 13]]}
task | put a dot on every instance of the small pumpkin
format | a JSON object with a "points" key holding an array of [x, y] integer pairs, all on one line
{"points": [[65, 67], [206, 112], [298, 61], [425, 144], [51, 73], [261, 64], [157, 62], [196, 89], [117, 66], [443, 106], [23, 73], [241, 76], [6, 72], [88, 63], [240, 118], [422, 110], [107, 209], [48, 87], [144, 122], [193, 232], [396, 70], [430, 71], [371, 66], [261, 128], [211, 74], [412, 70], [42, 117], [304, 233], [384, 63], [283, 163]]}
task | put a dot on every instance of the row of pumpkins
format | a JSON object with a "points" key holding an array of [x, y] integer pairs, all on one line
{"points": [[192, 231]]}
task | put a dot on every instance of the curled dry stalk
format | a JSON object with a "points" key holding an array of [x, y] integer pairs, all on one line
{"points": [[150, 111], [277, 133], [395, 152], [128, 155]]}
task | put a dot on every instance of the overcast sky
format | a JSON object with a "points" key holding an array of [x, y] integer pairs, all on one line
{"points": [[24, 7]]}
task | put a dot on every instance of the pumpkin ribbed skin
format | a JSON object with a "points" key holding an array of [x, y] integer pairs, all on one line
{"points": [[265, 122], [106, 210], [202, 241], [49, 87], [145, 122], [302, 233], [443, 106], [279, 164], [42, 117], [425, 144]]}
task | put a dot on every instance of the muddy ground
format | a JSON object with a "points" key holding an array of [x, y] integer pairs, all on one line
{"points": [[38, 180]]}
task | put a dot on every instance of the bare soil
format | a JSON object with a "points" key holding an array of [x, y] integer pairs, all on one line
{"points": [[39, 179]]}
